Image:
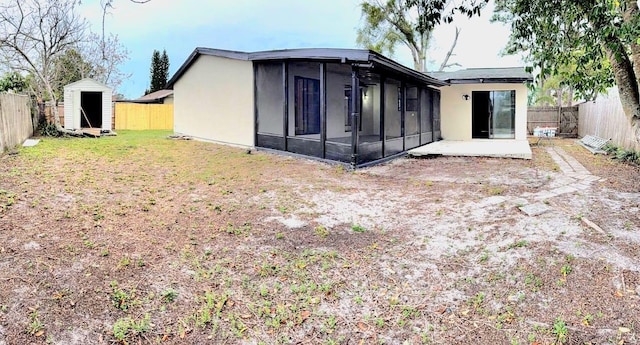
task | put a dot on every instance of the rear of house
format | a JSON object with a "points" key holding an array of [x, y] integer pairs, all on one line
{"points": [[347, 105]]}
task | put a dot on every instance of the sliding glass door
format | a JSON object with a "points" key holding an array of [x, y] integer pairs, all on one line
{"points": [[493, 114]]}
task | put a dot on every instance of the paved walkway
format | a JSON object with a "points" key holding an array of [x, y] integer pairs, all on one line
{"points": [[574, 177]]}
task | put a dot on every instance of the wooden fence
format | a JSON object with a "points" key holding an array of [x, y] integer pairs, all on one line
{"points": [[605, 118], [565, 119], [15, 120], [143, 116]]}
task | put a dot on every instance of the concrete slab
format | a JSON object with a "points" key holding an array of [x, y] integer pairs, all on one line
{"points": [[536, 209], [501, 148]]}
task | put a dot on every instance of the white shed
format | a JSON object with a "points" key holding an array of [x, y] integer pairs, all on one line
{"points": [[87, 104]]}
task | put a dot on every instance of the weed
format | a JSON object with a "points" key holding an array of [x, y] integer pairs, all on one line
{"points": [[532, 279], [560, 330], [484, 257], [321, 231], [380, 322], [169, 295], [358, 228], [477, 300], [518, 244], [124, 262], [212, 306], [238, 230], [127, 327], [566, 269], [279, 236], [496, 191], [121, 299], [35, 326]]}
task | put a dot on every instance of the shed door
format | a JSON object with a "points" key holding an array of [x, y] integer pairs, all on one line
{"points": [[91, 109]]}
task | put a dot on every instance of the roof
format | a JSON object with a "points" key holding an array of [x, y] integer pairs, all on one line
{"points": [[154, 96], [85, 80], [327, 54], [484, 75]]}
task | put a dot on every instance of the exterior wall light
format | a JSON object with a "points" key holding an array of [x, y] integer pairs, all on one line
{"points": [[465, 97]]}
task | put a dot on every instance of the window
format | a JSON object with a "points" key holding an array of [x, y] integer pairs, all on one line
{"points": [[348, 109], [307, 106]]}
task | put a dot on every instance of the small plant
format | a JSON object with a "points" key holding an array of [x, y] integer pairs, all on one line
{"points": [[484, 257], [358, 228], [566, 269], [321, 231], [478, 299], [127, 327], [519, 244], [35, 327], [169, 295], [279, 236], [560, 330], [120, 298], [496, 191]]}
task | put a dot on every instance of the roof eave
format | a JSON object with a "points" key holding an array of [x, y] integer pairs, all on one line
{"points": [[384, 61], [490, 81]]}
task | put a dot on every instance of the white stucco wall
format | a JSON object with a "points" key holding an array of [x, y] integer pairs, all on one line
{"points": [[72, 100], [213, 100], [456, 111]]}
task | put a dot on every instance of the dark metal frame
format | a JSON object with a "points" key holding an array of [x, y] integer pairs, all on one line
{"points": [[348, 153]]}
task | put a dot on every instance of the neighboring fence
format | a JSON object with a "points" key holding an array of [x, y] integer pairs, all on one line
{"points": [[48, 112], [605, 118], [15, 120], [143, 116], [565, 119]]}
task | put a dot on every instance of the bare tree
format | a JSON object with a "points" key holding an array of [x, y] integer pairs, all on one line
{"points": [[388, 23], [33, 33]]}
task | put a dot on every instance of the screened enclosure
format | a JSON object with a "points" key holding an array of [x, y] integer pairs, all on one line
{"points": [[347, 112]]}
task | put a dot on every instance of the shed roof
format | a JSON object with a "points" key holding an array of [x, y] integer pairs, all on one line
{"points": [[85, 81], [484, 75], [326, 54]]}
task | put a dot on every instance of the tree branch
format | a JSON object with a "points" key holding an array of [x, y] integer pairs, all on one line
{"points": [[450, 52]]}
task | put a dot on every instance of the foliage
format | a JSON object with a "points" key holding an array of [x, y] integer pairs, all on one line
{"points": [[13, 81], [589, 44], [48, 129], [409, 22], [159, 70], [619, 153]]}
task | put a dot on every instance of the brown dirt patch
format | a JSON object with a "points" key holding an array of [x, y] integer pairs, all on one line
{"points": [[140, 239]]}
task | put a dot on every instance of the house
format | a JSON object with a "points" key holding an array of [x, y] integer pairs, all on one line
{"points": [[484, 103], [87, 104], [157, 97], [347, 105]]}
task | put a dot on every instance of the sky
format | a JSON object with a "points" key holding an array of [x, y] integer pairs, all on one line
{"points": [[253, 25]]}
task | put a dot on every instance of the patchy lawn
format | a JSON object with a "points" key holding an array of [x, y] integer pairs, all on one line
{"points": [[141, 239]]}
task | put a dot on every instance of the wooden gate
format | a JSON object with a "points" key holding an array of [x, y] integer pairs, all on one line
{"points": [[569, 122]]}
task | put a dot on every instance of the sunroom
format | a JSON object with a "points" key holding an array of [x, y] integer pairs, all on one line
{"points": [[351, 106]]}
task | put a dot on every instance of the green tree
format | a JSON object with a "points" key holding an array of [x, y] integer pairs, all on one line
{"points": [[70, 67], [599, 39], [159, 70], [13, 81]]}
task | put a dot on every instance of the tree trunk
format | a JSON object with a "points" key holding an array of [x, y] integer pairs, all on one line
{"points": [[627, 86], [54, 112]]}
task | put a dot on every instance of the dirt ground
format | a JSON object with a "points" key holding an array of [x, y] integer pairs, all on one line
{"points": [[140, 239]]}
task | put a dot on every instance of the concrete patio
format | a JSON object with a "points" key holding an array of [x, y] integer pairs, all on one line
{"points": [[502, 148]]}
